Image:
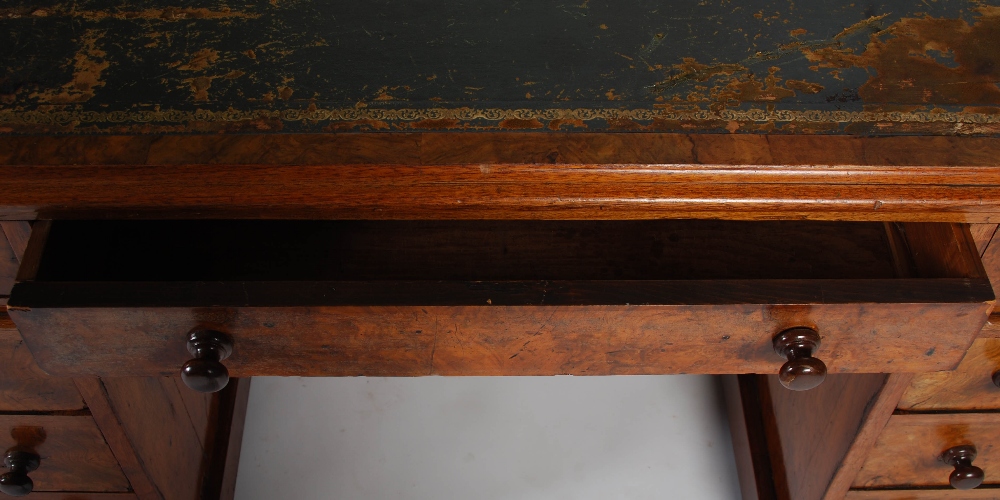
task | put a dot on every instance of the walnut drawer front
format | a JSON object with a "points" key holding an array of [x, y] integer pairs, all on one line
{"points": [[405, 298], [969, 387], [24, 386], [73, 453], [908, 452]]}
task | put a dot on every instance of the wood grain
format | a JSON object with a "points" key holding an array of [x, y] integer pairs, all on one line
{"points": [[499, 340], [942, 250], [969, 387], [908, 450], [501, 175], [8, 267], [25, 387], [17, 233], [74, 455], [815, 429], [491, 148], [747, 411], [982, 233], [502, 191], [876, 416], [229, 418], [601, 325], [807, 445], [992, 327], [96, 396], [991, 262], [172, 456], [980, 493]]}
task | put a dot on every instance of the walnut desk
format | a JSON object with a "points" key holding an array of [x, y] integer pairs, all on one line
{"points": [[864, 240]]}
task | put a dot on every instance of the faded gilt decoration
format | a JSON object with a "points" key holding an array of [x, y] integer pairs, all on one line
{"points": [[775, 66]]}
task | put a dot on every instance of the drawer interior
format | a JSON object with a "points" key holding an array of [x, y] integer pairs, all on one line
{"points": [[395, 298], [464, 250]]}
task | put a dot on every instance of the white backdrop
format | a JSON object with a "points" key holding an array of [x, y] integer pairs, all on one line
{"points": [[498, 438]]}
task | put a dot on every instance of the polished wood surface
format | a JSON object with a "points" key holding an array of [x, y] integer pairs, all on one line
{"points": [[969, 387], [498, 340], [991, 261], [501, 175], [745, 411], [8, 266], [673, 303], [74, 455], [429, 148], [982, 234], [992, 327], [941, 250], [811, 444], [131, 463], [876, 416], [229, 412], [24, 387], [17, 234], [908, 453], [175, 450], [820, 431], [172, 443]]}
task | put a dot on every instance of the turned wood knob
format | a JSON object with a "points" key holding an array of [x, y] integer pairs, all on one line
{"points": [[965, 476], [16, 482], [802, 371], [205, 373]]}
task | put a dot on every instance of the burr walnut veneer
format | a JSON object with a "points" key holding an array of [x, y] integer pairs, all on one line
{"points": [[567, 264], [398, 298]]}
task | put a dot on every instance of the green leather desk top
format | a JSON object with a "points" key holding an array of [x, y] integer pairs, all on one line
{"points": [[763, 66]]}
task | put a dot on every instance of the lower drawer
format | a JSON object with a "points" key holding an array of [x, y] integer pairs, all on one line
{"points": [[24, 386], [908, 452], [969, 387], [73, 453]]}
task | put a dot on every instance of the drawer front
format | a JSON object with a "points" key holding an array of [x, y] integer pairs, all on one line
{"points": [[500, 340], [969, 387], [908, 451], [385, 298], [74, 455], [25, 387]]}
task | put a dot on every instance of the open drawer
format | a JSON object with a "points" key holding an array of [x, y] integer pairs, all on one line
{"points": [[408, 298]]}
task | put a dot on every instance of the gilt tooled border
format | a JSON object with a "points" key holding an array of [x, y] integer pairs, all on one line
{"points": [[65, 117]]}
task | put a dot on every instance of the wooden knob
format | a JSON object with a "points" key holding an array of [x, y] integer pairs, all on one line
{"points": [[802, 371], [965, 476], [205, 373], [16, 482], [996, 378]]}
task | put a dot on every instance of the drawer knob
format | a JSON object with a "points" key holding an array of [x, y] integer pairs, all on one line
{"points": [[205, 373], [802, 371], [965, 476], [996, 378], [16, 482]]}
